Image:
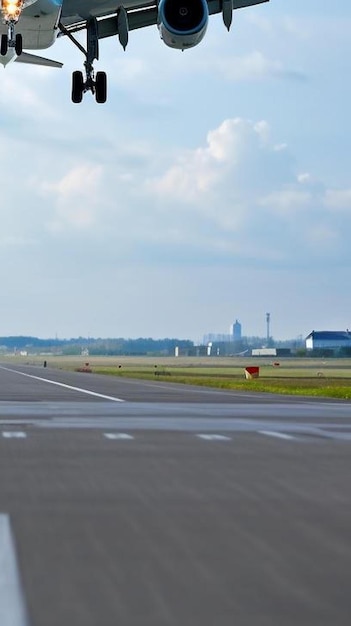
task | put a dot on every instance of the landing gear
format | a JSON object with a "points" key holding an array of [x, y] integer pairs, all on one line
{"points": [[11, 14], [7, 42], [4, 45], [98, 87], [101, 87], [96, 84], [77, 87], [19, 44]]}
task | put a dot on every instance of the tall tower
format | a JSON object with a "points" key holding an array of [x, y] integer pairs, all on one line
{"points": [[268, 321], [235, 331]]}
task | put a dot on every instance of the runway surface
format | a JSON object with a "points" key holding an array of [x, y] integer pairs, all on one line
{"points": [[146, 503]]}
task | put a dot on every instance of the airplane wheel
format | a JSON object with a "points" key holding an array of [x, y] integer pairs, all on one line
{"points": [[77, 87], [4, 45], [101, 87], [19, 45]]}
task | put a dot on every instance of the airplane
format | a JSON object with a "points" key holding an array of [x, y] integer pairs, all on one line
{"points": [[37, 24]]}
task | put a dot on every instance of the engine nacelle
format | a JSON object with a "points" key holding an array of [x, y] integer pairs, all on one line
{"points": [[182, 23]]}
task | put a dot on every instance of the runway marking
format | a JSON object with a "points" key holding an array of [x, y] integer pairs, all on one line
{"points": [[14, 434], [12, 604], [123, 436], [213, 437], [272, 433], [54, 382]]}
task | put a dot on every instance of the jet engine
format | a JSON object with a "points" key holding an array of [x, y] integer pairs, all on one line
{"points": [[182, 23]]}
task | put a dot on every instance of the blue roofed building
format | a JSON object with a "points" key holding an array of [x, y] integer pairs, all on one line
{"points": [[330, 339]]}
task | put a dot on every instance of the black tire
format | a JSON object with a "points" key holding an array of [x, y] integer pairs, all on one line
{"points": [[77, 87], [4, 45], [101, 87], [19, 45]]}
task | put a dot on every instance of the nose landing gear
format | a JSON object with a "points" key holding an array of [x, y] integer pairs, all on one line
{"points": [[8, 41], [11, 12]]}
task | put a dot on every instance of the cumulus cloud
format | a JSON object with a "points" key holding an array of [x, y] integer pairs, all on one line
{"points": [[198, 172], [237, 197], [246, 189], [75, 197], [176, 191]]}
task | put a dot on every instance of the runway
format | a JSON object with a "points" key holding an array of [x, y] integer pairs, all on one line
{"points": [[145, 503]]}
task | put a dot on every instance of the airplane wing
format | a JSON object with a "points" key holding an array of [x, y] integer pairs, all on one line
{"points": [[33, 59], [36, 24], [139, 14]]}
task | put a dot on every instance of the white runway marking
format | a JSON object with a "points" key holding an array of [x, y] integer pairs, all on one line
{"points": [[272, 433], [214, 437], [12, 606], [118, 436], [54, 382], [14, 434]]}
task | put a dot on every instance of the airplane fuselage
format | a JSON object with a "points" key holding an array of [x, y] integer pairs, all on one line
{"points": [[39, 24]]}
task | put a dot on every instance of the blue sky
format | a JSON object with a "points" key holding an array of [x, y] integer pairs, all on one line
{"points": [[213, 185]]}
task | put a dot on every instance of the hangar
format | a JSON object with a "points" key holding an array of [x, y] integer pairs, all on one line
{"points": [[331, 339]]}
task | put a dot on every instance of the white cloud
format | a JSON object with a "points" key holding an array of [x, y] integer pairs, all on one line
{"points": [[24, 90], [288, 201], [339, 199], [286, 25], [249, 195], [174, 199], [76, 196], [253, 66], [198, 172]]}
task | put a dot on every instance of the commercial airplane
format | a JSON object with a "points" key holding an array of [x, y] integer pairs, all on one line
{"points": [[36, 24]]}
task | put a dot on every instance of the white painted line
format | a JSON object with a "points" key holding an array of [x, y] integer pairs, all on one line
{"points": [[54, 382], [14, 434], [273, 433], [118, 436], [214, 437], [12, 605]]}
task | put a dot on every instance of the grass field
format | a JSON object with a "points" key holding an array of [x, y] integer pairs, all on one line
{"points": [[309, 377]]}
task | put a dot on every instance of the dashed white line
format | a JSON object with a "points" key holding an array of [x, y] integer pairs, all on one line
{"points": [[273, 433], [208, 437], [14, 434], [54, 382], [123, 436], [12, 605]]}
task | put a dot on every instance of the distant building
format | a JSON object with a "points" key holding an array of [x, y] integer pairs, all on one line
{"points": [[271, 352], [215, 338], [235, 331], [330, 339]]}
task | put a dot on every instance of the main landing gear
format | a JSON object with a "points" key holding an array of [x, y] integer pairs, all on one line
{"points": [[97, 84]]}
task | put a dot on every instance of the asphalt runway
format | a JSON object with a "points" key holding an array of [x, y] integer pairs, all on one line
{"points": [[146, 503]]}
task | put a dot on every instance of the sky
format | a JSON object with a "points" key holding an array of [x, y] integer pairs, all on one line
{"points": [[213, 185]]}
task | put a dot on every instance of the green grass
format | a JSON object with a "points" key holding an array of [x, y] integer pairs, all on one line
{"points": [[330, 382], [304, 377]]}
